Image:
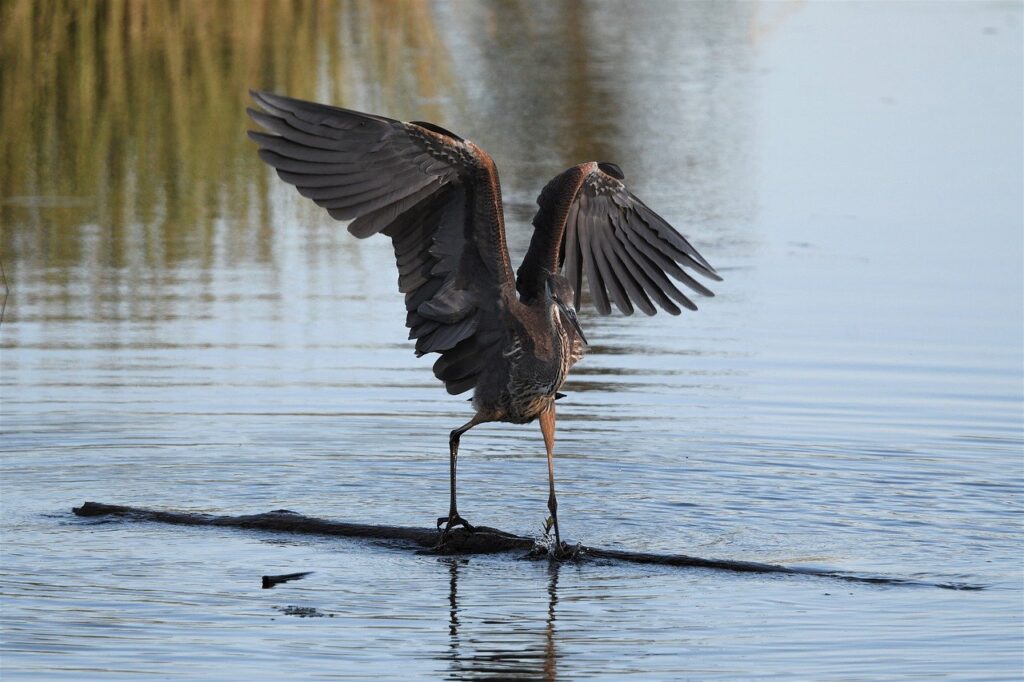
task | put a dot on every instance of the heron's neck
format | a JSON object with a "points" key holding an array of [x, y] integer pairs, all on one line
{"points": [[545, 253]]}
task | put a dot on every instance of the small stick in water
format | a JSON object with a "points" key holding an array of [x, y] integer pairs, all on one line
{"points": [[271, 580]]}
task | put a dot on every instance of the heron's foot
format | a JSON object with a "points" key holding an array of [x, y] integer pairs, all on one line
{"points": [[553, 547], [552, 523], [563, 551], [556, 551], [451, 522]]}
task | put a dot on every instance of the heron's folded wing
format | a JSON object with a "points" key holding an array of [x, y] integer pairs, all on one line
{"points": [[435, 195], [626, 250]]}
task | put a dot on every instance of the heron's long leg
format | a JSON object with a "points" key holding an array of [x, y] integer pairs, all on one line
{"points": [[453, 519], [547, 427]]}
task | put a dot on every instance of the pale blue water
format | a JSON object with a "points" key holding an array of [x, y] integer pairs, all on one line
{"points": [[851, 399]]}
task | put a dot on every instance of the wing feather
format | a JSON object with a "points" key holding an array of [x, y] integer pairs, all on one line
{"points": [[653, 280], [299, 152], [375, 220], [586, 230], [624, 267], [626, 251], [435, 195], [610, 277]]}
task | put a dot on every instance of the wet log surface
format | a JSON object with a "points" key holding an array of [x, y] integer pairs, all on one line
{"points": [[483, 541]]}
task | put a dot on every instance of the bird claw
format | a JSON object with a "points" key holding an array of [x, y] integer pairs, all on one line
{"points": [[451, 522], [563, 551], [556, 551]]}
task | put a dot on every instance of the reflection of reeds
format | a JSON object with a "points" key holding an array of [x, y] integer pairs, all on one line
{"points": [[137, 108]]}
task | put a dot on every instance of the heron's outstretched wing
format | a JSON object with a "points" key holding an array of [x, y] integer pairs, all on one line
{"points": [[590, 223], [435, 194]]}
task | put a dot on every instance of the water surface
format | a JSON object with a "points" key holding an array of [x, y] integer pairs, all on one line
{"points": [[182, 332]]}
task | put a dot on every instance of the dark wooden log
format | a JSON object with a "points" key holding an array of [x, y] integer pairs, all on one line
{"points": [[483, 541]]}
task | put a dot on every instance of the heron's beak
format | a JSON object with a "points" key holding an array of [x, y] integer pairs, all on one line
{"points": [[570, 314]]}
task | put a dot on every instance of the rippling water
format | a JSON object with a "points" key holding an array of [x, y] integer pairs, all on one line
{"points": [[182, 332]]}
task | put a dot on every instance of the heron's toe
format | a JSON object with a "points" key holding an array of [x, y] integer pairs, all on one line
{"points": [[452, 522]]}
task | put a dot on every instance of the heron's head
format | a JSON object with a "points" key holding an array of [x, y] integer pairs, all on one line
{"points": [[561, 294]]}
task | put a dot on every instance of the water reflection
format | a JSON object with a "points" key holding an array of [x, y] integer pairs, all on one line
{"points": [[576, 84], [484, 656], [122, 135], [7, 293], [122, 143]]}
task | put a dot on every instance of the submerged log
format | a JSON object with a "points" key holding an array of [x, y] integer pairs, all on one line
{"points": [[483, 540]]}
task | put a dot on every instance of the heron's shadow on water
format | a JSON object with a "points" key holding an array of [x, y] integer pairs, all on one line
{"points": [[519, 655]]}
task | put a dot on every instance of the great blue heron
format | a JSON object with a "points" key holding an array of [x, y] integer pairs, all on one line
{"points": [[436, 195]]}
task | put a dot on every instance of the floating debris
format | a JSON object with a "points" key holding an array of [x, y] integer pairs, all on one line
{"points": [[303, 611]]}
